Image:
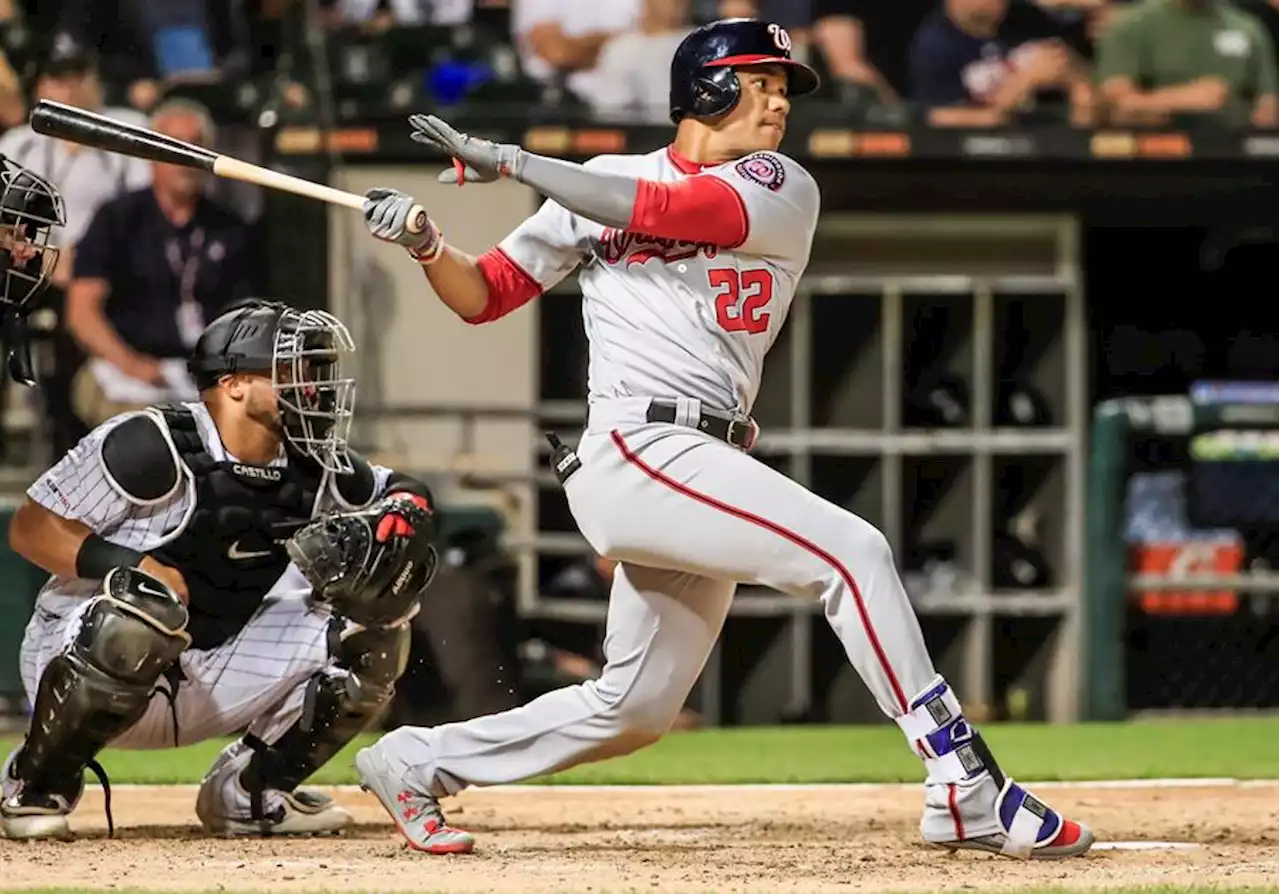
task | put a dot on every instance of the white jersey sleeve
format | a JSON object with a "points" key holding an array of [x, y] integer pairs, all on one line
{"points": [[782, 202], [78, 487], [548, 246]]}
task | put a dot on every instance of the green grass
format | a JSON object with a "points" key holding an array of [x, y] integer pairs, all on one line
{"points": [[1242, 748]]}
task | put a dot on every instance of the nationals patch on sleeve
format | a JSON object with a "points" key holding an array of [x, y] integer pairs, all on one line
{"points": [[764, 169]]}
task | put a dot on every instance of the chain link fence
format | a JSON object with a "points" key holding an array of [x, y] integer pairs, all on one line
{"points": [[1199, 523]]}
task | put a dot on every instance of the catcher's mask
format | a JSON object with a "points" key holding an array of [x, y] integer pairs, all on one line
{"points": [[30, 207], [306, 353]]}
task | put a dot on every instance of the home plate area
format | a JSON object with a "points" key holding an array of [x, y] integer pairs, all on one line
{"points": [[666, 838]]}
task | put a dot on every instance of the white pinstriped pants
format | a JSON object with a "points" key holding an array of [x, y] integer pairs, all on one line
{"points": [[254, 681]]}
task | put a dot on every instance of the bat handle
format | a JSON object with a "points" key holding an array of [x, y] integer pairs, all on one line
{"points": [[417, 220]]}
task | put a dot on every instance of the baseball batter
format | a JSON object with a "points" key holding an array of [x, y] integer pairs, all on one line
{"points": [[689, 257], [192, 596]]}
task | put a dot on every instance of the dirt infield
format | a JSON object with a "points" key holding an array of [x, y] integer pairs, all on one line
{"points": [[700, 839]]}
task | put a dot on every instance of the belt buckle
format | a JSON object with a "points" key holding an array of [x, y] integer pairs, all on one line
{"points": [[742, 424]]}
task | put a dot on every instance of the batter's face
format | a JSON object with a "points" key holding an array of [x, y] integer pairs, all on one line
{"points": [[759, 120]]}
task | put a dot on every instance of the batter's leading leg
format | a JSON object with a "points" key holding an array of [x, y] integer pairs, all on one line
{"points": [[661, 627]]}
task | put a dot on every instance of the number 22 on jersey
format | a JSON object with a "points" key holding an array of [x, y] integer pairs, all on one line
{"points": [[742, 298]]}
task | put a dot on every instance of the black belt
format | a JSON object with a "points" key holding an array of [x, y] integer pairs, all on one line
{"points": [[740, 432]]}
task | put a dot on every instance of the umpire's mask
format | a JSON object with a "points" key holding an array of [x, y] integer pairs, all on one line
{"points": [[30, 207], [312, 356]]}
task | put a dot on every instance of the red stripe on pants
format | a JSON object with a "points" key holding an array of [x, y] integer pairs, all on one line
{"points": [[786, 533]]}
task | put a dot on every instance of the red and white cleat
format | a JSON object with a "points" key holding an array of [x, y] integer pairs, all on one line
{"points": [[417, 815], [1021, 826]]}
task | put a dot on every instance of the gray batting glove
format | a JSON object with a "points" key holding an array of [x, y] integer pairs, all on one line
{"points": [[480, 160], [385, 213]]}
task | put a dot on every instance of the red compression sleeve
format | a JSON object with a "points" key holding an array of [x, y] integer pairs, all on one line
{"points": [[510, 286], [696, 209]]}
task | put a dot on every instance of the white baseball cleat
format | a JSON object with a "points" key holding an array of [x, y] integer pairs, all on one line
{"points": [[417, 815], [1007, 820], [28, 822], [225, 806], [300, 812], [28, 814]]}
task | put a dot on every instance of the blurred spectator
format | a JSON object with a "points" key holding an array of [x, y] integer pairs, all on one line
{"points": [[840, 35], [634, 68], [1267, 12], [1076, 20], [977, 62], [560, 40], [87, 177], [794, 15], [401, 12], [122, 57], [13, 110], [1197, 57], [154, 265]]}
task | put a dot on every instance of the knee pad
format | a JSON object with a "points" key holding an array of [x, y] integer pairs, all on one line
{"points": [[378, 656], [135, 629], [131, 634], [339, 704]]}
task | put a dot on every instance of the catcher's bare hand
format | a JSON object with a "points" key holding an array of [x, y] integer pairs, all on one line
{"points": [[475, 160], [170, 577]]}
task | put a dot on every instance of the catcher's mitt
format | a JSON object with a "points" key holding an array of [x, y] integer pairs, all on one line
{"points": [[371, 565]]}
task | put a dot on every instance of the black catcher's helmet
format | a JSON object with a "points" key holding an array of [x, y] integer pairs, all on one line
{"points": [[305, 352], [30, 207], [702, 79]]}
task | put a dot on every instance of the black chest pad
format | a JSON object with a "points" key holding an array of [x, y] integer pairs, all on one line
{"points": [[232, 550]]}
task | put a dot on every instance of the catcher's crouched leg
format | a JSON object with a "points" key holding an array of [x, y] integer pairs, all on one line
{"points": [[131, 633], [252, 789]]}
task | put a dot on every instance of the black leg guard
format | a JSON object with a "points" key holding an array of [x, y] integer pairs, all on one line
{"points": [[337, 708], [101, 685]]}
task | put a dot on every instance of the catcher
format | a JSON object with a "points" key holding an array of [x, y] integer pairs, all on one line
{"points": [[219, 567]]}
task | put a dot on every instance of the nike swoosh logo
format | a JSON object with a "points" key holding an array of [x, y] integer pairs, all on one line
{"points": [[147, 590], [235, 552]]}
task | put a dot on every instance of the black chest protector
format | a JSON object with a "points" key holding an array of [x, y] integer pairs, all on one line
{"points": [[232, 550]]}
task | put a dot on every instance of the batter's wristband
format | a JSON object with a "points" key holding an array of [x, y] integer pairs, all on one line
{"points": [[437, 248], [97, 556]]}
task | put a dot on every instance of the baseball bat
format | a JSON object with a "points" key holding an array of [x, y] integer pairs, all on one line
{"points": [[78, 125]]}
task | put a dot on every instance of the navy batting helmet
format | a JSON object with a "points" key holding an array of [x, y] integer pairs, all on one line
{"points": [[702, 79]]}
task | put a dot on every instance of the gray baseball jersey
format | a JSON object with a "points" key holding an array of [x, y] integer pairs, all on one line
{"points": [[667, 318]]}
